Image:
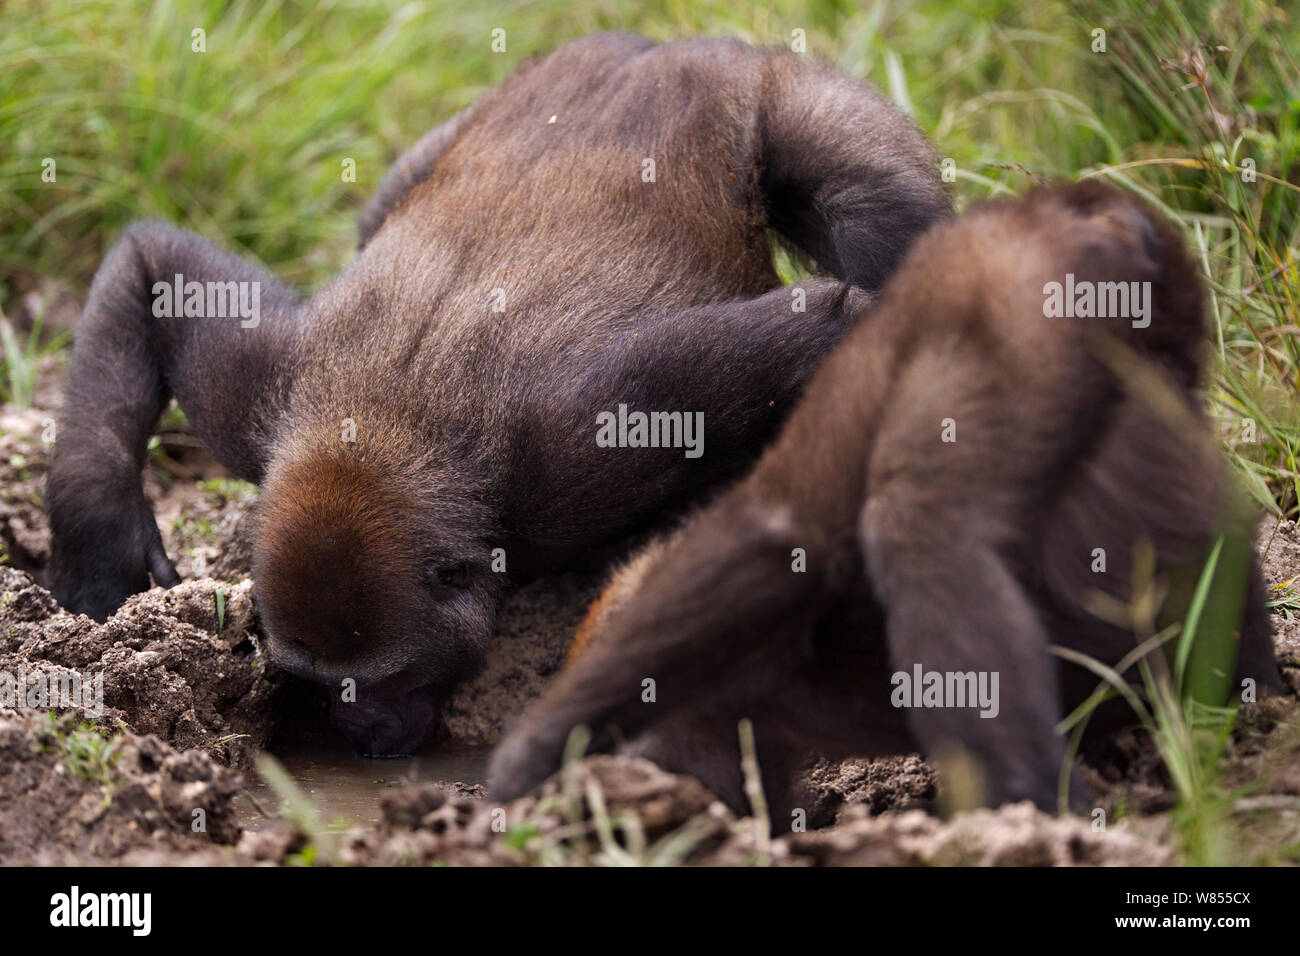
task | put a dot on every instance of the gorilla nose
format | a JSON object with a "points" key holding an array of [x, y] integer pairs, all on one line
{"points": [[386, 727], [386, 737]]}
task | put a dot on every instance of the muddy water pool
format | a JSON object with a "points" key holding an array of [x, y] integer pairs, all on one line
{"points": [[346, 788]]}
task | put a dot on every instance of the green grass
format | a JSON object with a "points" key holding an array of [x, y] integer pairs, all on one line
{"points": [[1211, 97], [221, 490], [244, 144], [21, 357], [1183, 697], [90, 752], [594, 835]]}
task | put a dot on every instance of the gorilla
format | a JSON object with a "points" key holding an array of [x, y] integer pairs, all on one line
{"points": [[591, 238], [937, 504]]}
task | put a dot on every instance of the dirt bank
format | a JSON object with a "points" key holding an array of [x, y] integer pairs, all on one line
{"points": [[189, 699]]}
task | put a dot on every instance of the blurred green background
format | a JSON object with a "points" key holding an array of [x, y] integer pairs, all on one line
{"points": [[243, 143]]}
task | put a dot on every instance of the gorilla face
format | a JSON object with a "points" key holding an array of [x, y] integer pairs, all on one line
{"points": [[381, 597]]}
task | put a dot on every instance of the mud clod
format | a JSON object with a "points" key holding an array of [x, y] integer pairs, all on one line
{"points": [[1014, 835], [68, 795], [165, 667]]}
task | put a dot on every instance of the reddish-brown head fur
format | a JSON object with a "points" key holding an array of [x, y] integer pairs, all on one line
{"points": [[337, 553], [374, 580]]}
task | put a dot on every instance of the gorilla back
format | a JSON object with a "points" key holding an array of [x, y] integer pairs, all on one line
{"points": [[590, 234]]}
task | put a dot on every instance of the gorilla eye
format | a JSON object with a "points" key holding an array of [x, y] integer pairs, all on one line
{"points": [[450, 575]]}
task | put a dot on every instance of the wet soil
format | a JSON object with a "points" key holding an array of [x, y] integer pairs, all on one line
{"points": [[168, 771], [347, 789]]}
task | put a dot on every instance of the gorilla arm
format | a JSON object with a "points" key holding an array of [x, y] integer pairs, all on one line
{"points": [[230, 380]]}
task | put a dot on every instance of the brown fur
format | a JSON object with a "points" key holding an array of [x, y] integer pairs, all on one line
{"points": [[593, 620], [970, 556], [302, 567], [475, 427], [623, 583]]}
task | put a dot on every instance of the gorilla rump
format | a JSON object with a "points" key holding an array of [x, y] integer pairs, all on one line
{"points": [[936, 504], [591, 233]]}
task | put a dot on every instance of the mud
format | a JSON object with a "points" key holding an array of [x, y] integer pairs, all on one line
{"points": [[347, 790], [1279, 549], [190, 700], [69, 796]]}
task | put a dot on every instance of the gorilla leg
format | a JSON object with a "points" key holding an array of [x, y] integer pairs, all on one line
{"points": [[848, 178], [721, 595]]}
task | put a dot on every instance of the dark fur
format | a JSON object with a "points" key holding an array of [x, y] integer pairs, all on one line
{"points": [[477, 429], [966, 556]]}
